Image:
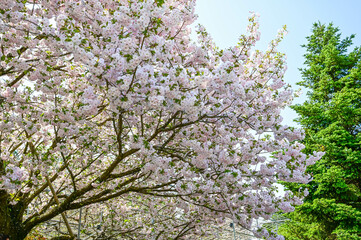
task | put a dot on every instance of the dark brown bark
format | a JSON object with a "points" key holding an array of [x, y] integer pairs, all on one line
{"points": [[4, 210], [10, 218], [4, 213]]}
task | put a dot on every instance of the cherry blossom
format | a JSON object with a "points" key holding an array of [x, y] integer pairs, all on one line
{"points": [[113, 106]]}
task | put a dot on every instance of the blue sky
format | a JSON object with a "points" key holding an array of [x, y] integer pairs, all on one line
{"points": [[226, 20]]}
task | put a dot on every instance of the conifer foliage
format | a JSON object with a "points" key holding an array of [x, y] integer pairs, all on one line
{"points": [[331, 118]]}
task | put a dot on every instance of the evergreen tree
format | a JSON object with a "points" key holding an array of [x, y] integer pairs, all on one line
{"points": [[331, 118]]}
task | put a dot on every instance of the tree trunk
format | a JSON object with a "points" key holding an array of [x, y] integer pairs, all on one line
{"points": [[4, 213], [10, 216], [10, 221], [4, 210]]}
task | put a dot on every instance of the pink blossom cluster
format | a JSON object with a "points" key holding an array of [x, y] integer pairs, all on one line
{"points": [[14, 176], [117, 105]]}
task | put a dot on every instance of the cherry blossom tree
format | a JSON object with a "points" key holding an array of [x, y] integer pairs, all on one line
{"points": [[110, 106]]}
